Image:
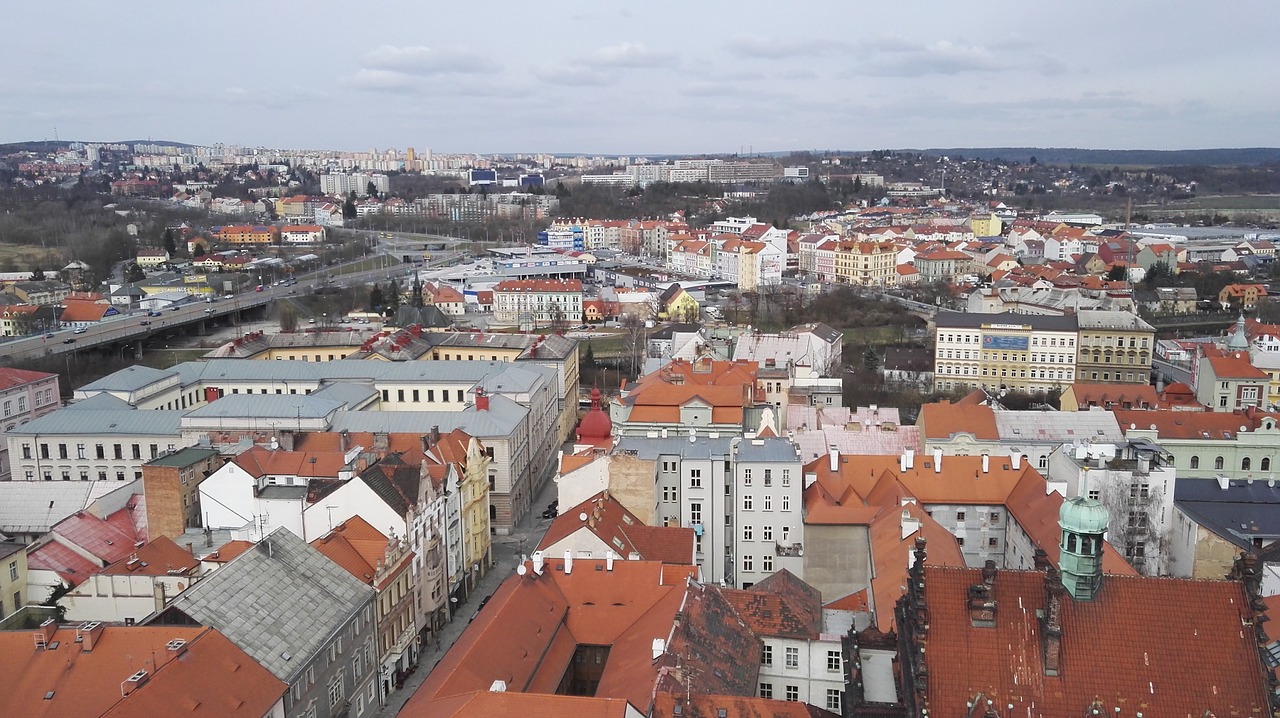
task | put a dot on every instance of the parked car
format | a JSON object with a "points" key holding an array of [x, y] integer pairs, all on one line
{"points": [[81, 330]]}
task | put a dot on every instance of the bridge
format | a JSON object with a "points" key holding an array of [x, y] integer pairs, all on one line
{"points": [[927, 312], [136, 327]]}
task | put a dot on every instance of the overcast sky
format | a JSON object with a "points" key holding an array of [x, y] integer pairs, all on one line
{"points": [[694, 76]]}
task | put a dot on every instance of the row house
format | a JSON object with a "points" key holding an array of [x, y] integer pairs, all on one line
{"points": [[25, 395], [384, 563], [302, 234], [695, 258], [44, 293]]}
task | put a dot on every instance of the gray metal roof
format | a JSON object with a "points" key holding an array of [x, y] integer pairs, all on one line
{"points": [[91, 422], [1103, 319], [128, 379], [651, 448], [267, 406], [99, 402], [502, 417], [1059, 426], [183, 457], [349, 394], [1039, 322], [35, 506], [771, 449], [214, 370], [281, 602]]}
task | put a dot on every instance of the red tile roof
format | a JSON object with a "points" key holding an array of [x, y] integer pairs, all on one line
{"points": [[1235, 365], [621, 531], [710, 706], [1189, 424], [539, 285], [259, 461], [11, 378], [209, 677], [780, 606], [943, 420], [1166, 647], [228, 551], [156, 558]]}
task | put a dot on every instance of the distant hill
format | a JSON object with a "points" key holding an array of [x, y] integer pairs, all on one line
{"points": [[1107, 158]]}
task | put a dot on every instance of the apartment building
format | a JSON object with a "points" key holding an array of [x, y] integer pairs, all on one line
{"points": [[866, 263], [768, 523], [24, 395], [1227, 380], [1004, 351], [538, 302], [244, 234], [171, 484], [1114, 347]]}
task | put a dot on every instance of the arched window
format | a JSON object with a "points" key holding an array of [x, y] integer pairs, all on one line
{"points": [[1266, 463], [1071, 542], [1217, 463], [1246, 463], [1195, 462]]}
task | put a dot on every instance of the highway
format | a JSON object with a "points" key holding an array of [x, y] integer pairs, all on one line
{"points": [[136, 325]]}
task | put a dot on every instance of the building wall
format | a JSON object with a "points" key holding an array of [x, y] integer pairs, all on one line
{"points": [[13, 583], [118, 598], [21, 404], [30, 464], [309, 687], [810, 676], [837, 559]]}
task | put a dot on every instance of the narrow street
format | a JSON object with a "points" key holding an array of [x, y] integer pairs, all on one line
{"points": [[506, 550]]}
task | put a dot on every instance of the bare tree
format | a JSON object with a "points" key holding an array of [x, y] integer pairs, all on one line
{"points": [[636, 334]]}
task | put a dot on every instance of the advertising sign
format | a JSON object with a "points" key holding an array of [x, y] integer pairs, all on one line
{"points": [[999, 341]]}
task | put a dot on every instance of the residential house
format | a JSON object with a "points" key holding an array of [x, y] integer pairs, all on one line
{"points": [[612, 532], [1227, 381], [100, 671], [538, 302], [385, 564], [1243, 297], [151, 258], [25, 395], [171, 484], [135, 586], [324, 651]]}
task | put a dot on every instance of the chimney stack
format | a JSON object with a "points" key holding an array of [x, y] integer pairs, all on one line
{"points": [[537, 563], [45, 632], [909, 457], [89, 633], [568, 562], [482, 400], [986, 463], [937, 461], [1016, 458], [833, 458], [608, 560]]}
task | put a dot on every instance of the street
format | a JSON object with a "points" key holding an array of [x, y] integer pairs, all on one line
{"points": [[506, 551]]}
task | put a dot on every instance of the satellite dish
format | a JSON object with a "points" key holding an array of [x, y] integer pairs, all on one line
{"points": [[521, 570], [582, 516]]}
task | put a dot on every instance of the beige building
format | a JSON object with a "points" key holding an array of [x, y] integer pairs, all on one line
{"points": [[13, 577], [1114, 347], [867, 264], [1004, 351]]}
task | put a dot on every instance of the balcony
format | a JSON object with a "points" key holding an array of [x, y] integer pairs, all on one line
{"points": [[789, 549]]}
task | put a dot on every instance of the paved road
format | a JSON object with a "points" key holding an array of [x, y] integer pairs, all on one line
{"points": [[505, 554]]}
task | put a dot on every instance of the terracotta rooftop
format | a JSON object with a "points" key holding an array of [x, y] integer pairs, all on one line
{"points": [[1118, 649], [228, 551], [944, 420], [780, 606], [260, 461], [157, 558], [622, 532], [206, 676], [10, 378], [713, 706], [1189, 424]]}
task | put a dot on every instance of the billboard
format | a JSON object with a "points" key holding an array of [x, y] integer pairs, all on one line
{"points": [[1003, 341]]}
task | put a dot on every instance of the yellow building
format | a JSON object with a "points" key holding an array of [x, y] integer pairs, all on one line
{"points": [[678, 305], [13, 577], [867, 264], [985, 225], [1115, 347]]}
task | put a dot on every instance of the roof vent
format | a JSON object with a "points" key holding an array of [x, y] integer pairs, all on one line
{"points": [[176, 645], [132, 683], [498, 686]]}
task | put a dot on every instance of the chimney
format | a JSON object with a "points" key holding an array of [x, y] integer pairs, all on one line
{"points": [[537, 563], [435, 430], [608, 560], [191, 548], [659, 648], [1040, 560], [45, 632], [426, 443], [89, 634], [568, 562], [343, 437], [910, 524], [986, 463], [133, 683], [1016, 459], [937, 461], [1051, 622], [833, 458], [482, 400]]}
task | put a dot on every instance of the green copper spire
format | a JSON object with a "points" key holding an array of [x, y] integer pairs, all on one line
{"points": [[1084, 525]]}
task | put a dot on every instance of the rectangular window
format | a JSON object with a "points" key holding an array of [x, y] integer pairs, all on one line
{"points": [[746, 477], [766, 690], [747, 533], [746, 502], [786, 503], [766, 563], [793, 658], [768, 502], [695, 478], [786, 477], [833, 661], [80, 451], [766, 655], [960, 516], [748, 563], [400, 395], [415, 395], [768, 533], [833, 700], [793, 693]]}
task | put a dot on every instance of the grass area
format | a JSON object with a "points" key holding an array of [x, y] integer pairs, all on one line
{"points": [[1247, 201], [615, 346], [379, 261], [22, 257]]}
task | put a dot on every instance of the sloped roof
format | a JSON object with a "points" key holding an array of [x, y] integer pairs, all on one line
{"points": [[310, 597], [210, 677], [944, 420], [394, 481], [780, 606], [356, 546], [156, 558], [259, 461], [619, 529], [1118, 648], [10, 377]]}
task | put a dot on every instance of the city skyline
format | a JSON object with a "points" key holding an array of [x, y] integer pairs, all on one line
{"points": [[658, 79]]}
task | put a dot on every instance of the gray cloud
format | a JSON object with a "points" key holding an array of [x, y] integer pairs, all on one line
{"points": [[426, 61]]}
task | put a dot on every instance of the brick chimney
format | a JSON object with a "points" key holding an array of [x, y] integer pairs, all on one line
{"points": [[1051, 622], [982, 602], [482, 400]]}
